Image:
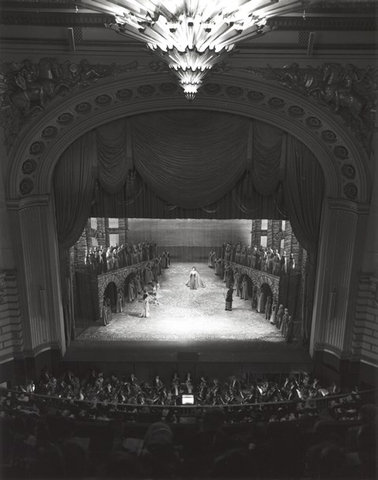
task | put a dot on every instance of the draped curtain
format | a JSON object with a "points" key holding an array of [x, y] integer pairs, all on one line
{"points": [[188, 164], [74, 183], [74, 186], [303, 196], [114, 155], [187, 159], [267, 157]]}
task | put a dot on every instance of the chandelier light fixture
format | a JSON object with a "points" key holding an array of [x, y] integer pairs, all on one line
{"points": [[192, 36]]}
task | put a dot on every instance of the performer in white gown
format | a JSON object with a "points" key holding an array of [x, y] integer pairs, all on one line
{"points": [[195, 280], [146, 306]]}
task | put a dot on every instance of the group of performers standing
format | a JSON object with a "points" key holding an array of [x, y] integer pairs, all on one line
{"points": [[101, 260], [266, 259], [261, 302]]}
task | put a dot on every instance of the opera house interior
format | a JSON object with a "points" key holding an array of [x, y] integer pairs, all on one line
{"points": [[188, 239]]}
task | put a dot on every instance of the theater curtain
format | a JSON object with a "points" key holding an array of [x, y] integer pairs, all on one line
{"points": [[115, 158], [238, 203], [178, 164], [190, 159], [303, 196], [268, 154], [74, 185]]}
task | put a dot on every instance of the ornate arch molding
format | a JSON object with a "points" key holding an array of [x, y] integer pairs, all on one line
{"points": [[34, 156]]}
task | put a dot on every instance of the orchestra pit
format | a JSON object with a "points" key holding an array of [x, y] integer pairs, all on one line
{"points": [[188, 240]]}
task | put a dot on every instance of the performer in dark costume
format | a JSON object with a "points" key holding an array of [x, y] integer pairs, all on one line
{"points": [[228, 297]]}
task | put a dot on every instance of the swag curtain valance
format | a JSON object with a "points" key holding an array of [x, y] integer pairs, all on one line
{"points": [[187, 159], [173, 164]]}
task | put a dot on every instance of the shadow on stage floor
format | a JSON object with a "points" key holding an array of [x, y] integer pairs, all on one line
{"points": [[189, 326]]}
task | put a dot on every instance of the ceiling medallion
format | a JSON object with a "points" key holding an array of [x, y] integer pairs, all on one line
{"points": [[192, 36]]}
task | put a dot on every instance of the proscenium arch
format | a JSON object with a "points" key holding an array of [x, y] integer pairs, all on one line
{"points": [[45, 140]]}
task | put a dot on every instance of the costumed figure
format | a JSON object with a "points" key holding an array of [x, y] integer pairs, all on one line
{"points": [[289, 333], [155, 289], [243, 254], [119, 302], [276, 263], [283, 267], [273, 315], [285, 319], [195, 280], [131, 291], [138, 285], [146, 306], [115, 258], [268, 307], [209, 260], [164, 259], [109, 259], [254, 298], [264, 261], [218, 262], [227, 253], [261, 301], [148, 276], [237, 253], [228, 298], [244, 289], [279, 316], [237, 282], [269, 261], [258, 259], [213, 255], [106, 312], [104, 265], [229, 277], [168, 259], [253, 257], [291, 264], [155, 270]]}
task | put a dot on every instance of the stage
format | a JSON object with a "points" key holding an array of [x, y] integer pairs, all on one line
{"points": [[190, 327]]}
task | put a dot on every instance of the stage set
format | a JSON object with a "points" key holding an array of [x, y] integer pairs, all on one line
{"points": [[189, 330]]}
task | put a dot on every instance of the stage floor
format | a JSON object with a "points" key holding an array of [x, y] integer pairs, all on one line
{"points": [[187, 315], [187, 320]]}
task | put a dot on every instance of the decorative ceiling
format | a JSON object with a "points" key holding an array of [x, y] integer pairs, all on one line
{"points": [[60, 27]]}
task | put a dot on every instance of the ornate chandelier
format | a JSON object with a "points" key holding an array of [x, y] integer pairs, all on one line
{"points": [[191, 36]]}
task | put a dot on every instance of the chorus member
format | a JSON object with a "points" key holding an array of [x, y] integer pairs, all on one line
{"points": [[106, 312], [119, 302], [279, 316], [146, 306], [244, 289], [273, 315], [228, 297]]}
